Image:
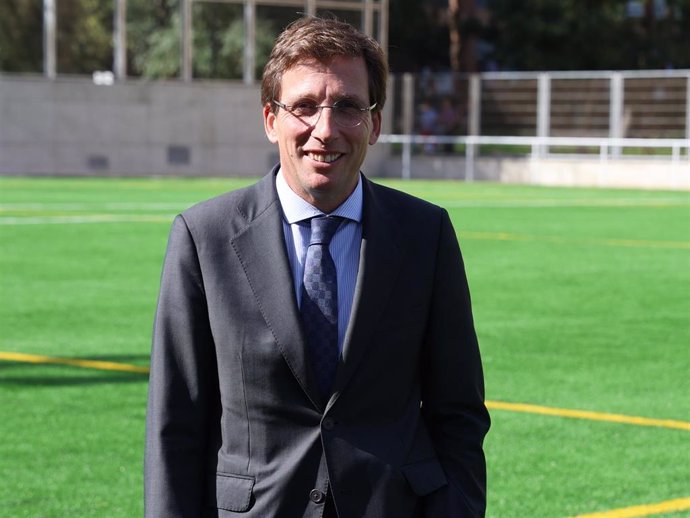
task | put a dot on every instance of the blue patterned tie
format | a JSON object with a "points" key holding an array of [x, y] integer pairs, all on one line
{"points": [[320, 303]]}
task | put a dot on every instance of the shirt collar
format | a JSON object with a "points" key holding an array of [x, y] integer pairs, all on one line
{"points": [[297, 209]]}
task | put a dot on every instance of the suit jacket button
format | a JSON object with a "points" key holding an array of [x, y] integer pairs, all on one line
{"points": [[328, 423], [316, 496]]}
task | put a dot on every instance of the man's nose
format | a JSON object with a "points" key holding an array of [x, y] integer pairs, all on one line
{"points": [[325, 125]]}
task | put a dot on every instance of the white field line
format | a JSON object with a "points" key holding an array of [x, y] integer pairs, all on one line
{"points": [[93, 206], [556, 203], [93, 218], [468, 202], [173, 208], [88, 216]]}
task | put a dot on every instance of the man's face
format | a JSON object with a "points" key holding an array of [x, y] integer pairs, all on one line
{"points": [[321, 163]]}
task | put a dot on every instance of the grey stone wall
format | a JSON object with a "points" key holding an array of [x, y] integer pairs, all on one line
{"points": [[71, 126]]}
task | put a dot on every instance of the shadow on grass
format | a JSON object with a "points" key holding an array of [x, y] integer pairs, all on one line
{"points": [[23, 374]]}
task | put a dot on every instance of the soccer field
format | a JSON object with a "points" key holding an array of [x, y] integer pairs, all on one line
{"points": [[582, 306]]}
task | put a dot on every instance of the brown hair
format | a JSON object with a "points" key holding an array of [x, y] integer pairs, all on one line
{"points": [[320, 39]]}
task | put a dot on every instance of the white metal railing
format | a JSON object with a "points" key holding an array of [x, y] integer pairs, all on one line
{"points": [[608, 147]]}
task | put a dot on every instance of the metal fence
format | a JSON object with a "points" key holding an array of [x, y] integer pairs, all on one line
{"points": [[677, 150], [370, 15], [609, 104]]}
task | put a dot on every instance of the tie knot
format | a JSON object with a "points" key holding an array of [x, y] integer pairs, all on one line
{"points": [[323, 228]]}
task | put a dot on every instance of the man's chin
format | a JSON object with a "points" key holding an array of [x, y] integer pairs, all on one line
{"points": [[328, 194]]}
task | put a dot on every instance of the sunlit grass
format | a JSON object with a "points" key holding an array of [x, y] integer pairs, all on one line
{"points": [[581, 300]]}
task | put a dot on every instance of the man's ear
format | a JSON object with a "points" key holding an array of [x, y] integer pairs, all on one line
{"points": [[270, 124], [376, 127]]}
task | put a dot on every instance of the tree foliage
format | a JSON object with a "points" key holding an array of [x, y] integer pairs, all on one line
{"points": [[588, 35], [417, 38], [529, 35], [18, 19], [153, 38], [84, 36], [219, 41]]}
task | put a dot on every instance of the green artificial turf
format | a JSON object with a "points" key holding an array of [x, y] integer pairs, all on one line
{"points": [[581, 301]]}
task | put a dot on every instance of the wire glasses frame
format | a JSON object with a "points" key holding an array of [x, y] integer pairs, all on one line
{"points": [[346, 114]]}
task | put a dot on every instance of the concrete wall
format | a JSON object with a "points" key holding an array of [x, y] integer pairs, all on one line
{"points": [[71, 126], [652, 173]]}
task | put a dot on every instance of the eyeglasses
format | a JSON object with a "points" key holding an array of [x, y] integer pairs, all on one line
{"points": [[346, 114]]}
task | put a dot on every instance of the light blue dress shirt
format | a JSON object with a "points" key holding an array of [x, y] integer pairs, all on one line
{"points": [[344, 246]]}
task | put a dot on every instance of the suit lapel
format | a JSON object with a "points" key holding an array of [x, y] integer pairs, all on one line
{"points": [[260, 248], [379, 265]]}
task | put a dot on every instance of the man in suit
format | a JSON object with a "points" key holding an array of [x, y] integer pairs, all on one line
{"points": [[314, 352]]}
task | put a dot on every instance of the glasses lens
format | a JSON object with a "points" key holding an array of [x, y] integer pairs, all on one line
{"points": [[347, 117], [347, 114], [308, 112]]}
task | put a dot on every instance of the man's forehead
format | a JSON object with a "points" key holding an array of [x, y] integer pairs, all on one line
{"points": [[334, 64], [312, 61], [350, 72]]}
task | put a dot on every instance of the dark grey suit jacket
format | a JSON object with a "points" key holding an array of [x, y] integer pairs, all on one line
{"points": [[235, 424]]}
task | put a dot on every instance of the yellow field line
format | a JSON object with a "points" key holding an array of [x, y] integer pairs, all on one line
{"points": [[492, 405], [585, 414], [680, 504], [87, 364], [630, 243], [669, 506]]}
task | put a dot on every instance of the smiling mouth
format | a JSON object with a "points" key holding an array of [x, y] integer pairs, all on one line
{"points": [[325, 158]]}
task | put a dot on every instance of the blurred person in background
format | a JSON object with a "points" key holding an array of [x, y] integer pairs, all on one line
{"points": [[428, 123], [314, 352], [448, 121]]}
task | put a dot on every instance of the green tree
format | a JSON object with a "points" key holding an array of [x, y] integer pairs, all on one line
{"points": [[529, 35], [219, 41], [20, 23], [663, 35], [153, 38], [587, 35], [84, 36], [154, 32], [418, 37]]}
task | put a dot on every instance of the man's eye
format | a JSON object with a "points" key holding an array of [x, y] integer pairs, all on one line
{"points": [[346, 106], [305, 108]]}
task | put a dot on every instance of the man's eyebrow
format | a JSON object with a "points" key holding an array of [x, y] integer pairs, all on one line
{"points": [[305, 97], [300, 98], [349, 97]]}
